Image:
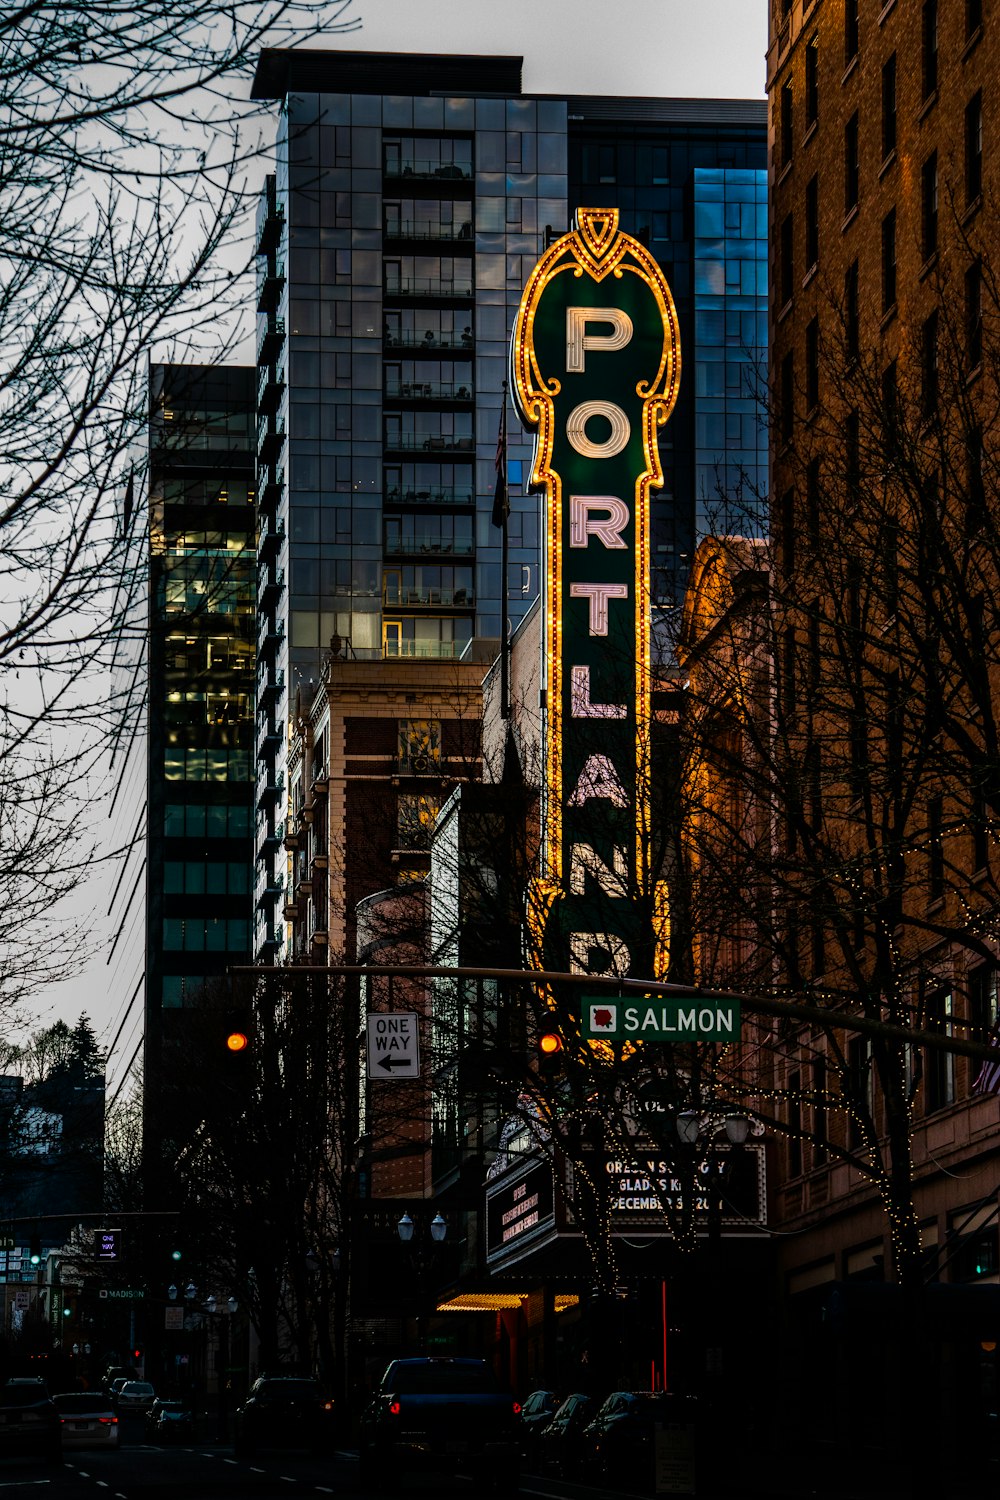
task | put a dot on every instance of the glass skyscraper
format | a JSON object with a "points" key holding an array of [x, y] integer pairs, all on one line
{"points": [[410, 200]]}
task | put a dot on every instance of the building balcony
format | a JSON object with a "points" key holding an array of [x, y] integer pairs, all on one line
{"points": [[270, 339], [457, 343], [270, 220], [415, 442], [428, 546], [271, 586], [270, 280], [270, 388], [429, 598], [422, 650], [269, 788], [427, 171], [269, 737], [422, 232], [269, 538], [429, 390], [271, 483], [274, 837], [270, 440], [319, 779], [265, 937], [270, 685], [408, 287], [269, 638], [271, 890], [449, 496]]}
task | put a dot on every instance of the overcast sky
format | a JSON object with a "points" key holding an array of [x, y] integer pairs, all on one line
{"points": [[681, 48]]}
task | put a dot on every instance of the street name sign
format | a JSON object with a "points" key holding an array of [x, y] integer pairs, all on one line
{"points": [[661, 1018], [393, 1045], [121, 1293]]}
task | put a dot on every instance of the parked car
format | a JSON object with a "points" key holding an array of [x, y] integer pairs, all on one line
{"points": [[619, 1443], [284, 1411], [87, 1420], [29, 1420], [536, 1413], [559, 1443], [135, 1396], [115, 1386], [167, 1421]]}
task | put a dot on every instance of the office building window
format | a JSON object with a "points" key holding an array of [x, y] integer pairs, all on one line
{"points": [[812, 364], [929, 48], [890, 407], [852, 315], [786, 265], [973, 149], [851, 30], [795, 1124], [929, 206], [787, 403], [973, 18], [939, 1065], [852, 450], [888, 106], [980, 830], [812, 222], [786, 143], [935, 849], [813, 495], [889, 261], [982, 1001], [812, 82], [852, 171], [788, 532]]}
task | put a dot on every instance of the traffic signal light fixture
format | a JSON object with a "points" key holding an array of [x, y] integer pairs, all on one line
{"points": [[550, 1048]]}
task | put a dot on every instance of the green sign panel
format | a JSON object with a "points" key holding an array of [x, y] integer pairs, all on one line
{"points": [[595, 360], [661, 1018]]}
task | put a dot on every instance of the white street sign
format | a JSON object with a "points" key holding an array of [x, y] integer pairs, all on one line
{"points": [[393, 1047]]}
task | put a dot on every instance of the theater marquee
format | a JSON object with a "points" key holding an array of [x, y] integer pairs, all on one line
{"points": [[595, 367]]}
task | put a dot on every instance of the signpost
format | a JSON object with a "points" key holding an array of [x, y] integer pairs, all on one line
{"points": [[661, 1018], [393, 1045]]}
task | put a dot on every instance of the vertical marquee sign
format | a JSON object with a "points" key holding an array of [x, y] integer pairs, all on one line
{"points": [[595, 361]]}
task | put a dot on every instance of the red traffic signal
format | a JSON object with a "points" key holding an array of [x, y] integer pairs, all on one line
{"points": [[237, 1041]]}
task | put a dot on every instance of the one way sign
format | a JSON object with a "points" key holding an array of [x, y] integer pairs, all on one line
{"points": [[393, 1048]]}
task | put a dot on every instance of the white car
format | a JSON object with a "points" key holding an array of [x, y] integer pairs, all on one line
{"points": [[86, 1420], [135, 1395]]}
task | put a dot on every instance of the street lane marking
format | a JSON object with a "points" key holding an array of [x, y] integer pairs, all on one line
{"points": [[288, 1478], [257, 1471], [23, 1484], [102, 1484], [324, 1491]]}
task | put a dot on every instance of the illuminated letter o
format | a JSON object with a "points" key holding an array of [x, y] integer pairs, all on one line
{"points": [[579, 417]]}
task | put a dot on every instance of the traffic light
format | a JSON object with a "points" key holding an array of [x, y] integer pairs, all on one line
{"points": [[35, 1250], [550, 1046], [235, 1033], [177, 1254], [237, 1041]]}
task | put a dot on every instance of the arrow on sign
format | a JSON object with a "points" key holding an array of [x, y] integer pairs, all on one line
{"points": [[395, 1062]]}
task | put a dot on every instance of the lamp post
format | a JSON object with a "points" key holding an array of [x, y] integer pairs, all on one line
{"points": [[422, 1257]]}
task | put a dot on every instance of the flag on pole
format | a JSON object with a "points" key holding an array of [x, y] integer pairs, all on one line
{"points": [[501, 499]]}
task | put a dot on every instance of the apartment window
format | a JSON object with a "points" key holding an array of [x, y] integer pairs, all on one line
{"points": [[935, 850], [788, 532], [973, 18], [787, 409], [980, 831], [974, 315], [851, 164], [786, 124], [929, 364], [786, 266], [852, 450], [819, 1126], [929, 48], [852, 321], [795, 1124], [888, 106], [812, 364], [813, 500], [859, 1088], [973, 148], [890, 407], [812, 222], [982, 1001], [889, 261], [929, 206], [940, 1065], [851, 30], [976, 494], [812, 83]]}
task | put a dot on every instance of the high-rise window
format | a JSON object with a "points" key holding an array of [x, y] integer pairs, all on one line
{"points": [[940, 1065], [889, 261], [813, 500], [935, 849], [787, 397], [788, 532], [851, 164], [812, 82], [851, 30], [929, 48], [786, 143], [812, 222], [786, 265], [973, 148], [888, 106], [929, 206], [852, 317], [812, 364], [852, 450], [973, 18]]}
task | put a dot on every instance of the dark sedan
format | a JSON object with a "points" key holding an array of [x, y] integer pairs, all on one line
{"points": [[536, 1413], [284, 1411], [559, 1448], [620, 1443], [169, 1421], [29, 1421]]}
